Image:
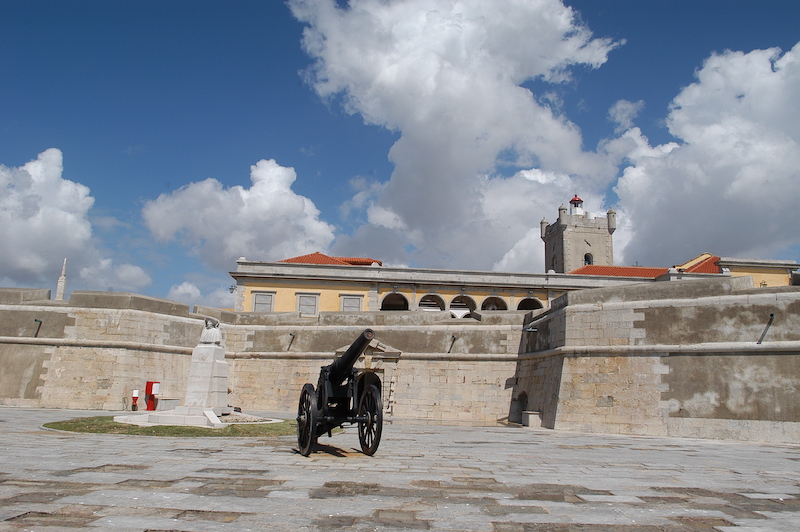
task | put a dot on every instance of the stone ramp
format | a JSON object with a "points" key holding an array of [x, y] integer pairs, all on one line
{"points": [[423, 477]]}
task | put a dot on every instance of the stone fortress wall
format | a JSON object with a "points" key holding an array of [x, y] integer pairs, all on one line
{"points": [[93, 350], [709, 358]]}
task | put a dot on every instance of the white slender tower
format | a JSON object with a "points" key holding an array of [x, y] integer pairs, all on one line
{"points": [[61, 287]]}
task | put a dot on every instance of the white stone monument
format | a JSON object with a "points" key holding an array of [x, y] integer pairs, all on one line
{"points": [[206, 391], [207, 388]]}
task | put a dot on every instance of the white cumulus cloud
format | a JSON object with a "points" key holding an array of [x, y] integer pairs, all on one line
{"points": [[623, 112], [190, 294], [185, 292], [44, 219], [448, 76], [267, 221], [105, 275], [732, 183]]}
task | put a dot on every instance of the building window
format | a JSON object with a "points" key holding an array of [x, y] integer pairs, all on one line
{"points": [[351, 303], [308, 304], [263, 301], [588, 260]]}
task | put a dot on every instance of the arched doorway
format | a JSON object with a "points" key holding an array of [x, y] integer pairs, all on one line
{"points": [[431, 302], [494, 303], [518, 405], [394, 302], [462, 306], [530, 303]]}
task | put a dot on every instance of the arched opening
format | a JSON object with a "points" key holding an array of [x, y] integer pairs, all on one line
{"points": [[394, 302], [494, 303], [431, 302], [462, 306], [529, 303], [588, 260]]}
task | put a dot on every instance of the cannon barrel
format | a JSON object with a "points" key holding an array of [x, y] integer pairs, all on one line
{"points": [[342, 367]]}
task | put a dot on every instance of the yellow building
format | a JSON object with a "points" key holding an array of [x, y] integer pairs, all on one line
{"points": [[764, 272], [317, 283]]}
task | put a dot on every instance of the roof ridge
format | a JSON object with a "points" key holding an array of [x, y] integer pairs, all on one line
{"points": [[620, 271], [321, 258]]}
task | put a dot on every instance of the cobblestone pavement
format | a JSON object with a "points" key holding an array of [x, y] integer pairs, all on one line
{"points": [[423, 477]]}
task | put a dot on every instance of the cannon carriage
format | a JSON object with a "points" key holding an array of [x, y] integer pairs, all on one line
{"points": [[343, 395]]}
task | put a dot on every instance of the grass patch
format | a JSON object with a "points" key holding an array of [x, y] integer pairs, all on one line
{"points": [[107, 425]]}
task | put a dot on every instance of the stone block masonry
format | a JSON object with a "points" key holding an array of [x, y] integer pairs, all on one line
{"points": [[618, 394], [96, 348], [103, 377], [710, 358]]}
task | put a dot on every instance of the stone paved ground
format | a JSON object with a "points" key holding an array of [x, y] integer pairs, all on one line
{"points": [[423, 477]]}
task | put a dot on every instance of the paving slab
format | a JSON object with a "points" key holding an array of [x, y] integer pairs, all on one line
{"points": [[423, 477]]}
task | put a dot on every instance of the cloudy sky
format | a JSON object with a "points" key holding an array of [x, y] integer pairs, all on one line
{"points": [[153, 143]]}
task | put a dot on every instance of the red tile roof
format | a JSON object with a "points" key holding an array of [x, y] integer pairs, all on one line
{"points": [[620, 271], [707, 265], [360, 261], [321, 258], [315, 258]]}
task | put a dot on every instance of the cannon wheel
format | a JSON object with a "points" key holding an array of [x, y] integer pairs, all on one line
{"points": [[369, 431], [307, 420]]}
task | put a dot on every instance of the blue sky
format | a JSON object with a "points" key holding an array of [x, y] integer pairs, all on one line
{"points": [[152, 143]]}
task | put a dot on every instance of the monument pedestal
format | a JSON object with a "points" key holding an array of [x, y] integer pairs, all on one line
{"points": [[182, 415], [208, 380]]}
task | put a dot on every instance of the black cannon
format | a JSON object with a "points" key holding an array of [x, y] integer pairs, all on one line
{"points": [[343, 395]]}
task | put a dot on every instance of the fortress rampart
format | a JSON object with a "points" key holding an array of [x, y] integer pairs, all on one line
{"points": [[95, 349], [710, 359], [701, 358]]}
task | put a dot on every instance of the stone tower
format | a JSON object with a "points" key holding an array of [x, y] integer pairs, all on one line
{"points": [[578, 238]]}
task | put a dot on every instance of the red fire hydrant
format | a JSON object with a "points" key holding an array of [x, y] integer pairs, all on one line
{"points": [[134, 400]]}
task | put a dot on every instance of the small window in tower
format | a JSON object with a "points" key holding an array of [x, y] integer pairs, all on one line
{"points": [[588, 260]]}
